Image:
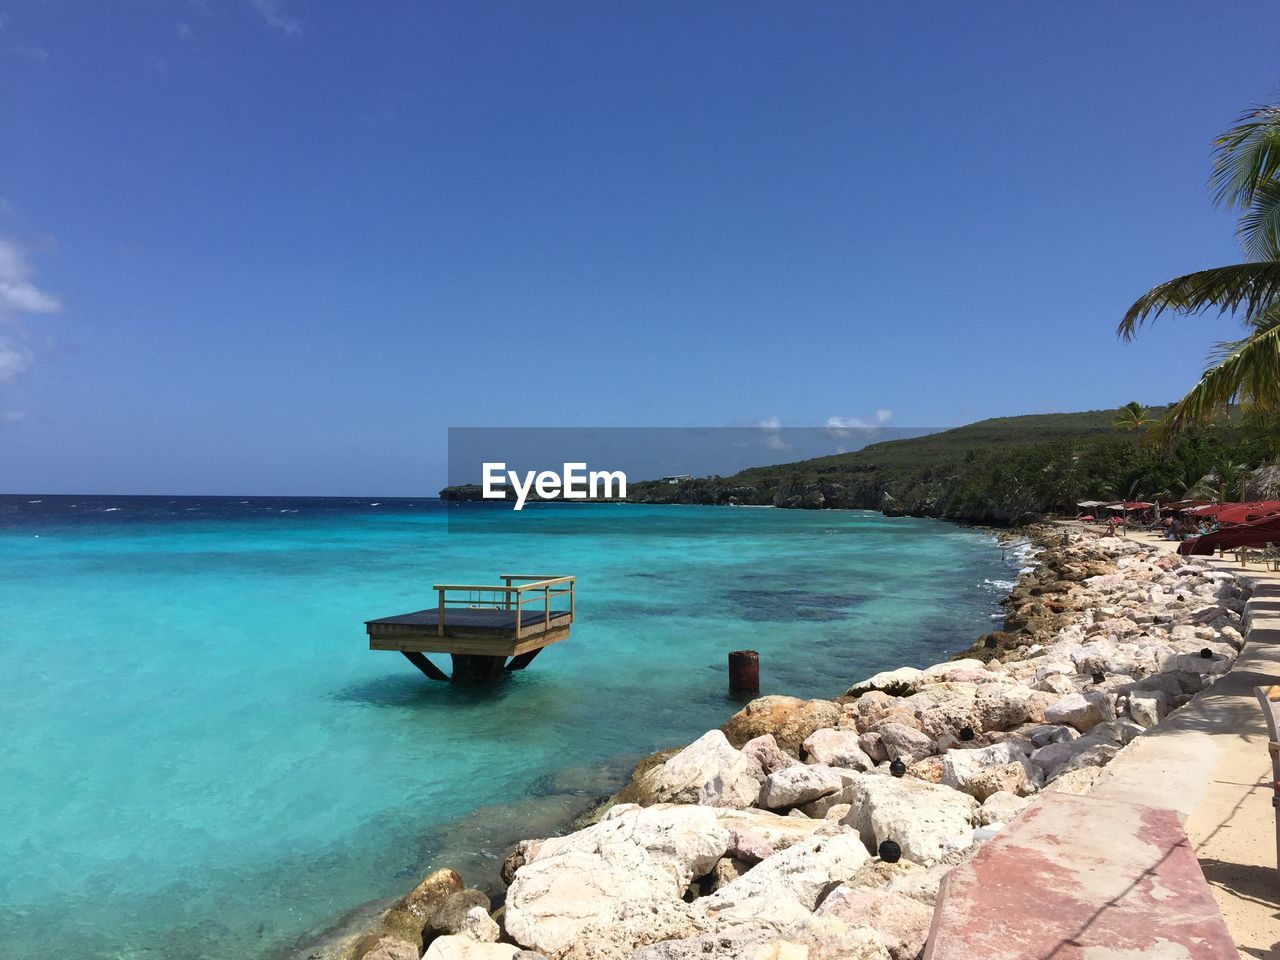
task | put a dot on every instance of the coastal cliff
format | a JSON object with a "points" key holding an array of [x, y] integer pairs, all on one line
{"points": [[823, 828]]}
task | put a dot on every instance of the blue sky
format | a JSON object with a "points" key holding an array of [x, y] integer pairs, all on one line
{"points": [[279, 247]]}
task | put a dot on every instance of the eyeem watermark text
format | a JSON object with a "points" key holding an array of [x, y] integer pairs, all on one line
{"points": [[574, 482]]}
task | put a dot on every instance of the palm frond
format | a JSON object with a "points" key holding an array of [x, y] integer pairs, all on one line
{"points": [[1266, 319], [1259, 228], [1251, 370], [1241, 287], [1246, 156]]}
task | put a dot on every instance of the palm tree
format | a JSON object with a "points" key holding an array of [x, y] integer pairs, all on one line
{"points": [[1232, 478], [1246, 177], [1132, 416], [1225, 481]]}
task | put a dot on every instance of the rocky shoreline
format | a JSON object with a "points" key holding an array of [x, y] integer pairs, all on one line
{"points": [[822, 828]]}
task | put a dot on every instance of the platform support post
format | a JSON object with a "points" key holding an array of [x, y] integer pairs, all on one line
{"points": [[522, 660], [425, 665], [475, 668]]}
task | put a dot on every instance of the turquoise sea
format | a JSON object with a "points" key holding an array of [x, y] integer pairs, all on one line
{"points": [[202, 759]]}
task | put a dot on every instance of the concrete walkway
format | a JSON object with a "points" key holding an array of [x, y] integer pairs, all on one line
{"points": [[1120, 874], [1208, 762], [1080, 878]]}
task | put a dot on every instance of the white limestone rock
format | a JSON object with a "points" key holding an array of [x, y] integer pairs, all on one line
{"points": [[1076, 783], [793, 786], [821, 808], [1001, 807], [1148, 707], [457, 947], [1081, 710], [610, 875], [895, 682], [730, 789], [757, 834], [765, 751], [1000, 706], [901, 921], [919, 816], [982, 772], [872, 745], [477, 925], [786, 887], [1118, 732], [905, 743], [1043, 734], [1059, 683], [1093, 753], [1051, 758], [708, 771], [837, 748]]}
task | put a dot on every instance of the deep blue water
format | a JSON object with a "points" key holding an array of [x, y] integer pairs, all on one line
{"points": [[202, 758]]}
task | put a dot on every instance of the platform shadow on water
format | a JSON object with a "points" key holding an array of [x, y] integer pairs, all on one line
{"points": [[411, 689]]}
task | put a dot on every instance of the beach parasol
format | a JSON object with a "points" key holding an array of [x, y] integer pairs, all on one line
{"points": [[1245, 512], [1256, 533], [1239, 512], [1180, 505]]}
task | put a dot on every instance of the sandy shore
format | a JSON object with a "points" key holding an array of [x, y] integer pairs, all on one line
{"points": [[1114, 669]]}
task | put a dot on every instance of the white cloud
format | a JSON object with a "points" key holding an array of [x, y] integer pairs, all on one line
{"points": [[274, 14], [18, 293], [881, 417], [845, 426], [38, 54], [14, 360], [19, 297], [13, 416], [772, 427]]}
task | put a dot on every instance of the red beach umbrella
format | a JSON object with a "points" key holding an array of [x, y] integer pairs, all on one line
{"points": [[1211, 510], [1245, 512], [1188, 505], [1257, 533]]}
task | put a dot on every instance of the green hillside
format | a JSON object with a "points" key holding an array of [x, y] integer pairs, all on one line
{"points": [[1002, 470], [994, 435]]}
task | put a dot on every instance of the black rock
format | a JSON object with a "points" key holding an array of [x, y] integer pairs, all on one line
{"points": [[1099, 676], [1206, 654], [966, 733], [890, 852], [897, 767]]}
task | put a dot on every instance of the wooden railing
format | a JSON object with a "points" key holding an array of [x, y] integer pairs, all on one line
{"points": [[508, 597]]}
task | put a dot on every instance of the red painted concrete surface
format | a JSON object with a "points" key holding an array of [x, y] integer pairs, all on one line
{"points": [[1078, 878]]}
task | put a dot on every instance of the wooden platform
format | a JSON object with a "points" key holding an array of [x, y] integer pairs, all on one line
{"points": [[480, 626], [475, 631]]}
